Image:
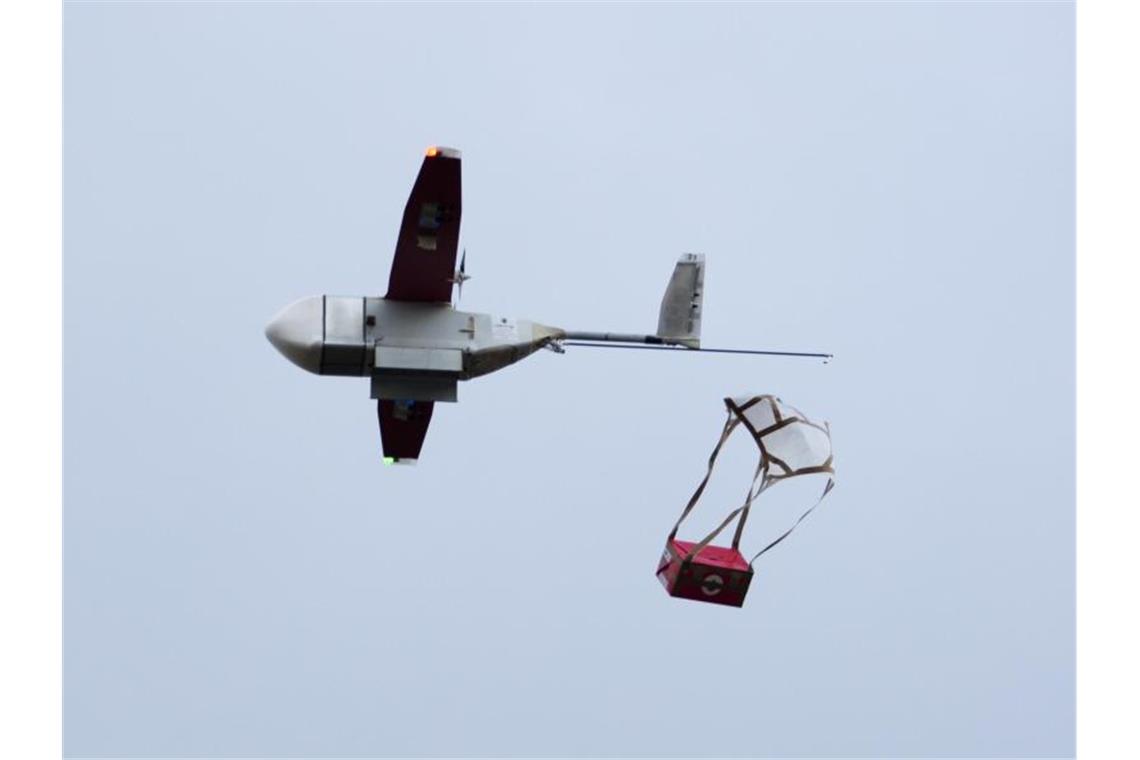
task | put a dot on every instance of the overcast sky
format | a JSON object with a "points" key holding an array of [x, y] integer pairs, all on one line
{"points": [[891, 182]]}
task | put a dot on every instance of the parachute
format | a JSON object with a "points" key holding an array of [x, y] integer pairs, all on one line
{"points": [[791, 446]]}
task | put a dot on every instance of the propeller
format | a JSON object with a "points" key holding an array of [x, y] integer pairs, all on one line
{"points": [[461, 276]]}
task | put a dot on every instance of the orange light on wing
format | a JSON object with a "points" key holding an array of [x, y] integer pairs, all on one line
{"points": [[432, 152]]}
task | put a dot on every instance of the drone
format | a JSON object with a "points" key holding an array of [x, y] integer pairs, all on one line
{"points": [[416, 346]]}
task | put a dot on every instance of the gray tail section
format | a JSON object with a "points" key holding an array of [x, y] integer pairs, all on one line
{"points": [[680, 319]]}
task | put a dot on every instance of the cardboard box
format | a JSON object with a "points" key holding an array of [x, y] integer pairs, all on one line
{"points": [[718, 574]]}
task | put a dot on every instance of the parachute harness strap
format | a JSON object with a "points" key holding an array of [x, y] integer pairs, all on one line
{"points": [[753, 492], [826, 489], [730, 424], [742, 510]]}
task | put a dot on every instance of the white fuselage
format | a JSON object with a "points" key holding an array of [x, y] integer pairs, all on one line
{"points": [[410, 350]]}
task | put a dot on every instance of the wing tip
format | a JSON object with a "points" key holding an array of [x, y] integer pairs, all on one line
{"points": [[440, 151]]}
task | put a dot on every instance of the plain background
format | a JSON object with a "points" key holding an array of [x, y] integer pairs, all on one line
{"points": [[890, 182]]}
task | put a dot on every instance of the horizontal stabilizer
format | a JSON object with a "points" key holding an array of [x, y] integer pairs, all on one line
{"points": [[680, 319]]}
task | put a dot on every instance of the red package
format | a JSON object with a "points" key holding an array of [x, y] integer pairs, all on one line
{"points": [[717, 574]]}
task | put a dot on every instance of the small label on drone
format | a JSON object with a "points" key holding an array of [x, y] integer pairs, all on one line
{"points": [[504, 329]]}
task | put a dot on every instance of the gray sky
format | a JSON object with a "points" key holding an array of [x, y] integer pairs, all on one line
{"points": [[890, 182]]}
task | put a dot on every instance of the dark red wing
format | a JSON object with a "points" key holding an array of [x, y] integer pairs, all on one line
{"points": [[403, 426], [423, 268]]}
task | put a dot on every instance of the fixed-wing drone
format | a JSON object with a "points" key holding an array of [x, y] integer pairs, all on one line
{"points": [[416, 346]]}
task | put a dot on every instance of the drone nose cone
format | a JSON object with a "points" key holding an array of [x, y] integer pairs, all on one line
{"points": [[298, 332]]}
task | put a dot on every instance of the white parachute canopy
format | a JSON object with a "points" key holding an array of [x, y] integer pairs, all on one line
{"points": [[791, 445]]}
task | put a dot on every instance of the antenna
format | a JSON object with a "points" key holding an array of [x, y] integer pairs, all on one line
{"points": [[659, 343], [812, 355]]}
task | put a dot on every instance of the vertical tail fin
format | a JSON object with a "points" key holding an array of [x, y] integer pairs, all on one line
{"points": [[680, 318]]}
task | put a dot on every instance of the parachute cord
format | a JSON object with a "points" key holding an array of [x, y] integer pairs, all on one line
{"points": [[788, 532], [761, 471], [741, 510], [729, 425]]}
